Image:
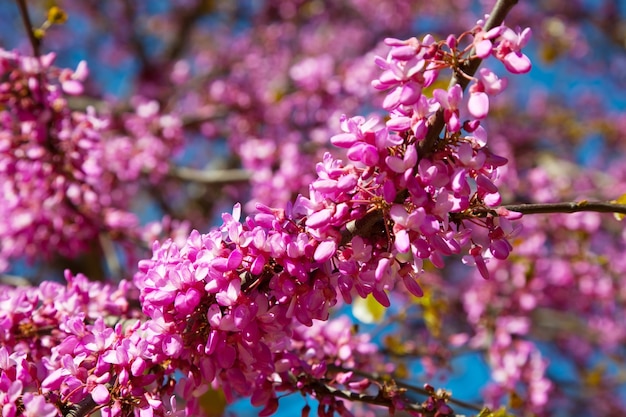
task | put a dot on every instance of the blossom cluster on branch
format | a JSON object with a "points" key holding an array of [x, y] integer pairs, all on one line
{"points": [[232, 308]]}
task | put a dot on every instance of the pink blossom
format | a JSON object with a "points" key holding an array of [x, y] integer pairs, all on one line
{"points": [[449, 101], [101, 394], [509, 52], [478, 104], [482, 41], [37, 406]]}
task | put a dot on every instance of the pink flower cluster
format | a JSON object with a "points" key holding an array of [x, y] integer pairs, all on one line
{"points": [[50, 161], [415, 197], [143, 142], [82, 347], [423, 192], [560, 278], [50, 338], [413, 65], [65, 177], [225, 302]]}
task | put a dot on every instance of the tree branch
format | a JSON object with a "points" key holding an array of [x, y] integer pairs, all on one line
{"points": [[568, 207], [549, 324]]}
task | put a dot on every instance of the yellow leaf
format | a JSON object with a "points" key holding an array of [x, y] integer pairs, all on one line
{"points": [[620, 200], [428, 91], [394, 344], [213, 402], [433, 309], [593, 377], [368, 310], [501, 412], [550, 52], [485, 412], [401, 371]]}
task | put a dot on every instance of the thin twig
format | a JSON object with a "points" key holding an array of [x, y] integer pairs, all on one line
{"points": [[87, 406], [382, 379], [545, 208], [364, 398], [35, 43]]}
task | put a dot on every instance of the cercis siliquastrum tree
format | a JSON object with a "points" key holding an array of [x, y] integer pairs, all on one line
{"points": [[246, 308]]}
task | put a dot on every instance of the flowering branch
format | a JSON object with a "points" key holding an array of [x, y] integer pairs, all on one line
{"points": [[469, 68], [218, 307], [410, 109]]}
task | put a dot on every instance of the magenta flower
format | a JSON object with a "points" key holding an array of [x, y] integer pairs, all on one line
{"points": [[37, 406], [476, 258], [487, 84], [483, 41], [449, 102], [508, 50], [478, 104]]}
